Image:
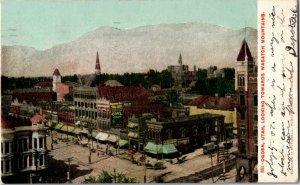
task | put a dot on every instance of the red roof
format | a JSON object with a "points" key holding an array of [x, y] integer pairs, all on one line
{"points": [[244, 52], [216, 103], [36, 118], [11, 121], [97, 62], [56, 72], [123, 93], [34, 96], [44, 84]]}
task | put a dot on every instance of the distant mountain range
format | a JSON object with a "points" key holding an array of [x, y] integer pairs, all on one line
{"points": [[133, 50]]}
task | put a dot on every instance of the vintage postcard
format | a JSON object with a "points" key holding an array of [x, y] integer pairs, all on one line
{"points": [[149, 91]]}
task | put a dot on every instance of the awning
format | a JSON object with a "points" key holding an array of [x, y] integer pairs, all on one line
{"points": [[94, 134], [76, 131], [153, 148], [132, 125], [122, 142], [102, 136], [58, 126], [169, 149], [67, 128], [112, 138], [133, 134], [160, 149]]}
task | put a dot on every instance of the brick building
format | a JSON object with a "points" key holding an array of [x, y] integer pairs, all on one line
{"points": [[185, 133], [117, 103], [246, 91]]}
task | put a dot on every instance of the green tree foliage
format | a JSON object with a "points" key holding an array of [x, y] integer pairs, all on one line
{"points": [[173, 97], [163, 78], [22, 82], [105, 177], [212, 86], [68, 97], [73, 78]]}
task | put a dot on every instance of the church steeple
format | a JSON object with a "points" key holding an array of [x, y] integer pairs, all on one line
{"points": [[97, 67], [180, 60]]}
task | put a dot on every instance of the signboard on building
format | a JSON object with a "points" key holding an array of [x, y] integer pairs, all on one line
{"points": [[117, 118]]}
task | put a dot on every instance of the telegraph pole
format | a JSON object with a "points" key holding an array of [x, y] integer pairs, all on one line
{"points": [[212, 170]]}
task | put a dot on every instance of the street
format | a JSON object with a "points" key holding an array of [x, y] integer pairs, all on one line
{"points": [[81, 168]]}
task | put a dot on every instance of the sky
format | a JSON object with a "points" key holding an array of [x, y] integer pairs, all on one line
{"points": [[43, 23]]}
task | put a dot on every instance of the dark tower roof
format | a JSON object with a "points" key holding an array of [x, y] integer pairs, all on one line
{"points": [[56, 72], [97, 67], [244, 52]]}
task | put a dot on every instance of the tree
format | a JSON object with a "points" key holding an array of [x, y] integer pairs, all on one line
{"points": [[105, 177], [173, 97], [68, 97], [166, 79]]}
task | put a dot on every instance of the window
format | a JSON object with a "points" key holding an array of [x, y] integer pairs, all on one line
{"points": [[195, 130], [255, 100], [242, 115], [25, 145], [35, 143], [242, 130], [207, 129], [2, 166], [241, 81], [243, 146], [169, 134], [41, 160], [30, 160], [242, 99], [7, 147], [255, 131], [40, 142], [255, 117], [182, 132], [256, 148], [7, 166], [2, 149], [25, 161]]}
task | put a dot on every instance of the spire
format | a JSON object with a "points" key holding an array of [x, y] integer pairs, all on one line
{"points": [[97, 67], [244, 54], [180, 59], [56, 72]]}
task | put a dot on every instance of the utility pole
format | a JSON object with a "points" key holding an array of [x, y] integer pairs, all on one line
{"points": [[145, 175], [212, 170], [69, 170], [115, 176]]}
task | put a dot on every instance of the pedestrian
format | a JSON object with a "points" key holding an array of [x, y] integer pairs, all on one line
{"points": [[98, 153]]}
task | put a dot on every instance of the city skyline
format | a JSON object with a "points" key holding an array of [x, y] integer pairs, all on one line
{"points": [[71, 19]]}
